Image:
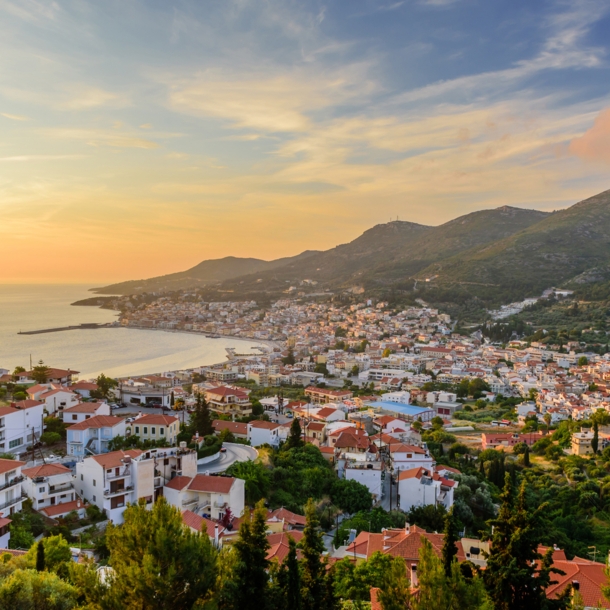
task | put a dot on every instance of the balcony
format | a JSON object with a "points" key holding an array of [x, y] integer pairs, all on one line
{"points": [[189, 502], [121, 475], [117, 492], [58, 489], [12, 502], [11, 482]]}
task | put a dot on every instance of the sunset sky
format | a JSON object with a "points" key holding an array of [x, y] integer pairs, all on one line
{"points": [[140, 137]]}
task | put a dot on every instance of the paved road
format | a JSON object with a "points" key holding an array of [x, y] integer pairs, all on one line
{"points": [[234, 453]]}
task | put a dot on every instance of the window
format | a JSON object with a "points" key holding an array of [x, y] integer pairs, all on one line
{"points": [[87, 416], [161, 431], [145, 430], [137, 429], [152, 431], [93, 482], [74, 417], [15, 443], [81, 477], [41, 489], [94, 498]]}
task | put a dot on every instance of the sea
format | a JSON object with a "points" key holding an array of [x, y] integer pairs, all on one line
{"points": [[117, 352]]}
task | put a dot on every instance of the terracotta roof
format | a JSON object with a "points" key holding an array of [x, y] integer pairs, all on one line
{"points": [[8, 465], [62, 509], [287, 516], [114, 459], [4, 521], [46, 470], [401, 448], [263, 425], [224, 391], [325, 412], [232, 426], [156, 420], [7, 411], [178, 483], [210, 484], [13, 552], [26, 404], [84, 385], [279, 544], [84, 407], [375, 604], [99, 421], [201, 524]]}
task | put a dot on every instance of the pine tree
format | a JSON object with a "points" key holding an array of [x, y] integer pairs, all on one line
{"points": [[312, 547], [201, 420], [395, 594], [250, 574], [450, 539], [40, 562], [517, 575], [293, 577]]}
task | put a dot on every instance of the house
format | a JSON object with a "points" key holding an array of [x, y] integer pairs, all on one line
{"points": [[206, 495], [350, 440], [316, 431], [112, 480], [493, 440], [237, 429], [279, 544], [228, 401], [197, 523], [20, 424], [322, 395], [58, 399], [84, 388], [11, 493], [5, 534], [389, 424], [58, 376], [327, 414], [290, 520], [582, 442], [369, 472], [263, 433], [405, 457], [423, 487], [91, 436], [83, 411], [50, 485], [155, 427]]}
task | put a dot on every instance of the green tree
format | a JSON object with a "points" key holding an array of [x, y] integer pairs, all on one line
{"points": [[250, 572], [294, 439], [583, 361], [526, 457], [154, 555], [104, 386], [32, 590], [50, 438], [517, 575], [450, 540], [201, 420], [313, 568], [395, 594], [40, 373], [21, 537], [256, 479], [40, 564], [351, 496], [293, 577], [595, 440]]}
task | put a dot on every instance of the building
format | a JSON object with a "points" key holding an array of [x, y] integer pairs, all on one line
{"points": [[84, 388], [11, 492], [91, 436], [155, 428], [112, 480], [208, 496], [323, 396], [50, 485], [422, 487], [581, 442], [494, 441], [367, 472], [222, 375], [237, 429], [55, 376], [20, 425], [403, 411], [228, 401], [5, 534], [405, 457], [83, 411], [263, 433]]}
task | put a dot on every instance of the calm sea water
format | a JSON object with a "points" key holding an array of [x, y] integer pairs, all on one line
{"points": [[113, 351]]}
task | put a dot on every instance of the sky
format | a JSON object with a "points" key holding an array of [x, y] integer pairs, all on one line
{"points": [[138, 138]]}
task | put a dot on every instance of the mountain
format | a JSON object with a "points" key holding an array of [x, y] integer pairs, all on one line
{"points": [[206, 272], [569, 246]]}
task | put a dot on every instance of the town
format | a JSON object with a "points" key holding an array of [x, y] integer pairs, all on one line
{"points": [[407, 426]]}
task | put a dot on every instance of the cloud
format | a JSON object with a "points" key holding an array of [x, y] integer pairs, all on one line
{"points": [[14, 117], [594, 144], [99, 137], [92, 97], [40, 157]]}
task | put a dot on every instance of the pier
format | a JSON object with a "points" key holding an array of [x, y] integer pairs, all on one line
{"points": [[92, 326]]}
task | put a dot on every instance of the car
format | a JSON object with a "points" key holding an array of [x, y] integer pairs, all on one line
{"points": [[289, 415], [223, 450]]}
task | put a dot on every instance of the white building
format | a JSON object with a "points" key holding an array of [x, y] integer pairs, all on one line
{"points": [[51, 486], [83, 411], [19, 424], [263, 433], [5, 532], [11, 494], [422, 487], [112, 480], [405, 457], [91, 436], [367, 472], [206, 495]]}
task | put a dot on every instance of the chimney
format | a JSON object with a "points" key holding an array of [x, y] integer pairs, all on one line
{"points": [[216, 535], [78, 504], [414, 579], [407, 528], [182, 444]]}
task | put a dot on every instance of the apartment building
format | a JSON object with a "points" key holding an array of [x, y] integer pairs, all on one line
{"points": [[91, 436], [209, 496], [20, 424], [83, 411], [11, 493], [51, 486], [228, 401], [112, 480], [155, 428], [423, 487]]}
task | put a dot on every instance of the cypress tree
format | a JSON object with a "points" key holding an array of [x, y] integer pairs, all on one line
{"points": [[40, 560], [450, 539], [293, 577], [526, 457], [201, 420], [595, 441], [313, 574], [294, 438]]}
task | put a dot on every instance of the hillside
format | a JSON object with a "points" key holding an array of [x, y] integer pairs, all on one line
{"points": [[569, 246], [206, 272]]}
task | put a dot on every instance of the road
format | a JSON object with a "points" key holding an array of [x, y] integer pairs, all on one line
{"points": [[234, 453]]}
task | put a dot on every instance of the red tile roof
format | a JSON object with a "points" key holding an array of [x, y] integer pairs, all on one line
{"points": [[63, 509], [232, 426], [210, 484], [46, 470], [8, 465], [178, 483], [114, 459], [99, 421], [156, 420]]}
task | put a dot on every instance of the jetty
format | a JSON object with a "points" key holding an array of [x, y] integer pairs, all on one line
{"points": [[91, 326]]}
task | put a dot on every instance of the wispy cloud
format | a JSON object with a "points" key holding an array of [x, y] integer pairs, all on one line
{"points": [[100, 137], [14, 117], [21, 158]]}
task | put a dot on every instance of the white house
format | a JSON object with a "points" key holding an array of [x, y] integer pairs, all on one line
{"points": [[5, 532], [51, 486], [405, 457], [84, 410], [207, 495], [84, 388], [367, 472], [11, 494], [91, 436], [112, 480], [422, 487], [263, 432], [56, 400], [20, 424]]}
